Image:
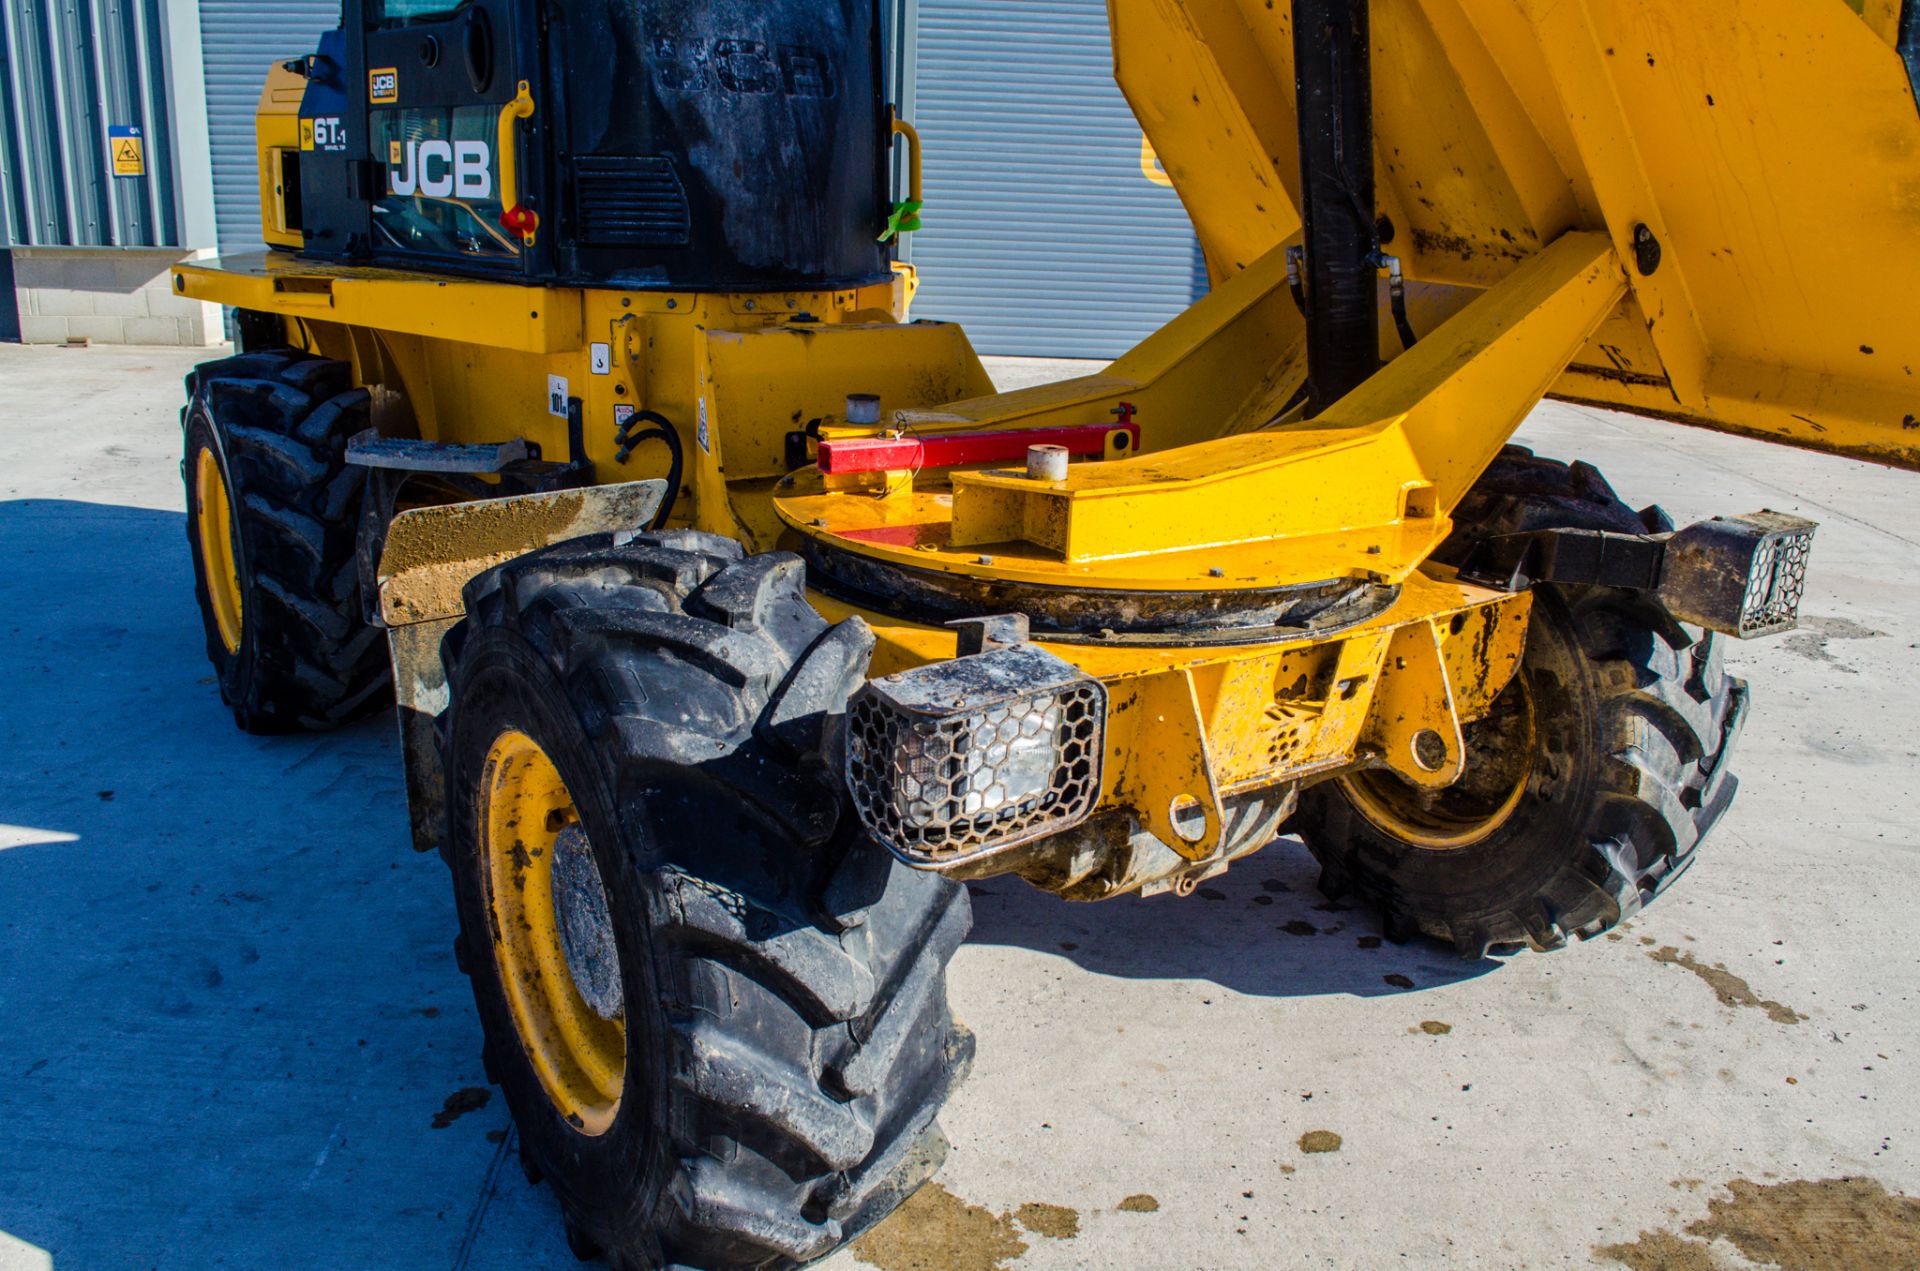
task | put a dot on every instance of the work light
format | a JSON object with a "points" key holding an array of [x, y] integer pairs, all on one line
{"points": [[966, 757]]}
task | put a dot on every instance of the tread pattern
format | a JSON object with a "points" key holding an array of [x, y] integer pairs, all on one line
{"points": [[1668, 717], [310, 659], [801, 969]]}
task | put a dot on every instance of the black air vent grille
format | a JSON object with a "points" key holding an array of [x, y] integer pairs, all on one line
{"points": [[631, 202]]}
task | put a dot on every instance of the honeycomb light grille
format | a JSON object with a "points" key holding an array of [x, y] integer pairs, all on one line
{"points": [[939, 788], [1776, 583], [1742, 575]]}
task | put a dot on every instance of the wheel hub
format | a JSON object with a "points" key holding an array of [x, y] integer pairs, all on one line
{"points": [[586, 928], [554, 946], [213, 522], [1498, 771]]}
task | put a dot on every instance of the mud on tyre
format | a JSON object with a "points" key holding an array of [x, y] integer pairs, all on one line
{"points": [[729, 1048], [272, 513], [1589, 786]]}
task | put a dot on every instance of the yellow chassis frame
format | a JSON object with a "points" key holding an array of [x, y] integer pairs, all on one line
{"points": [[1197, 725], [1526, 149]]}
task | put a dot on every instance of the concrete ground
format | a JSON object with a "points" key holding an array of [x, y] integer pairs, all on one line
{"points": [[229, 1012]]}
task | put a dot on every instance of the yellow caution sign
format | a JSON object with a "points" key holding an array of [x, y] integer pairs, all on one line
{"points": [[128, 151], [306, 134]]}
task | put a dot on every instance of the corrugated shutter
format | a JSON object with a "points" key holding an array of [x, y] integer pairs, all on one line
{"points": [[243, 39], [1042, 234], [70, 70]]}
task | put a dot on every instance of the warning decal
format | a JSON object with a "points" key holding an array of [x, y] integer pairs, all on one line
{"points": [[128, 150]]}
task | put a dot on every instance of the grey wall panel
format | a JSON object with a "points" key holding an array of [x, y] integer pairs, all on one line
{"points": [[69, 71], [1042, 235], [243, 39]]}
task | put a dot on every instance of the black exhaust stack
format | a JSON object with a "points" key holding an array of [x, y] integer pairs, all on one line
{"points": [[1333, 83]]}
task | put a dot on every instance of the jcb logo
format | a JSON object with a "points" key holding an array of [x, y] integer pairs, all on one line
{"points": [[383, 86], [743, 66], [441, 169]]}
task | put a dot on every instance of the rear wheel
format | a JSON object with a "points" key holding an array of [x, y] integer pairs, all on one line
{"points": [[272, 515], [1588, 786], [717, 1010]]}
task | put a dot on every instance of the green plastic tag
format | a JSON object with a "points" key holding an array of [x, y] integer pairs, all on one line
{"points": [[904, 219]]}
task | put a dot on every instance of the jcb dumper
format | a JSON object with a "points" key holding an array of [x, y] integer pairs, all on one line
{"points": [[733, 620]]}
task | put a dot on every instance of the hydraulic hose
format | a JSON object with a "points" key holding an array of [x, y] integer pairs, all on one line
{"points": [[662, 430]]}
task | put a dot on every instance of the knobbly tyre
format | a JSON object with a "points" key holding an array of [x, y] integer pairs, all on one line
{"points": [[734, 621]]}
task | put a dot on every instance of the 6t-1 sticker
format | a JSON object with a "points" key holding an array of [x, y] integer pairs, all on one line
{"points": [[326, 133]]}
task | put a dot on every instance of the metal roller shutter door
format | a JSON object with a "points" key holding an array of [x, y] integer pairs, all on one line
{"points": [[1043, 236], [241, 40]]}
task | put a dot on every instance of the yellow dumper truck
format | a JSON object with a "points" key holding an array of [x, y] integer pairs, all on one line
{"points": [[733, 620]]}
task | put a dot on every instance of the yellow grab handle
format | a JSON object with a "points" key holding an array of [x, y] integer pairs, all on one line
{"points": [[905, 216], [515, 217], [901, 128]]}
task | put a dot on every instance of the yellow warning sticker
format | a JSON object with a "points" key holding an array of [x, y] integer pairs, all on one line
{"points": [[306, 134], [383, 86], [394, 154], [128, 150]]}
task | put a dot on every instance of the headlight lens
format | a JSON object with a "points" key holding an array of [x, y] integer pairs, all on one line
{"points": [[960, 758]]}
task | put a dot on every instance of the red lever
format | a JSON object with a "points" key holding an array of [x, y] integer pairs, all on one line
{"points": [[947, 450], [520, 219]]}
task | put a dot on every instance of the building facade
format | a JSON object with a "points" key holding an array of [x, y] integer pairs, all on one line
{"points": [[128, 145]]}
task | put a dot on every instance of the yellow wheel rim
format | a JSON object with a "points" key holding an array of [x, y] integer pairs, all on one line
{"points": [[213, 512], [580, 1056], [1496, 778]]}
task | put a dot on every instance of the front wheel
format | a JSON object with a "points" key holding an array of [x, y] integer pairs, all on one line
{"points": [[717, 1010]]}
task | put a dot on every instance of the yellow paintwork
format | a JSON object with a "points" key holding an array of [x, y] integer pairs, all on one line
{"points": [[1881, 16], [1361, 491], [581, 1059], [277, 134], [1211, 723], [213, 522], [1773, 146], [470, 361]]}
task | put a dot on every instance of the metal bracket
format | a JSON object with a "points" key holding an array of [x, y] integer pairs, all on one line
{"points": [[1601, 558], [370, 450], [1742, 576], [995, 631], [1414, 724], [1163, 765]]}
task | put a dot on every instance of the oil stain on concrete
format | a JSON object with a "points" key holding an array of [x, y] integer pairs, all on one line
{"points": [[1834, 1224], [1728, 987], [459, 1103], [1810, 641], [937, 1231]]}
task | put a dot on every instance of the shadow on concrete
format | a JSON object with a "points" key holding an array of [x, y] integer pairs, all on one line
{"points": [[228, 1004], [1261, 929]]}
